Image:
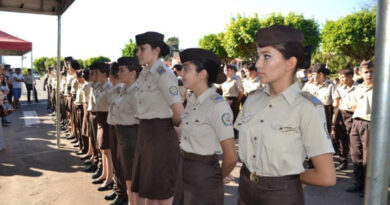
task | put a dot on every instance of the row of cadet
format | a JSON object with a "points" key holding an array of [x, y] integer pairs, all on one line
{"points": [[142, 136]]}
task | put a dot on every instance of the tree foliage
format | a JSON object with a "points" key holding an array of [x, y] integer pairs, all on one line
{"points": [[130, 49], [173, 43], [99, 59], [39, 65], [352, 36], [213, 42], [335, 62]]}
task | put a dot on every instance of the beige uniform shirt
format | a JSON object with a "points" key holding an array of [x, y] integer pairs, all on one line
{"points": [[251, 85], [101, 101], [92, 96], [80, 95], [347, 97], [206, 122], [158, 89], [113, 94], [53, 83], [87, 89], [363, 102], [232, 87], [278, 132], [309, 87], [69, 80], [326, 93], [125, 106]]}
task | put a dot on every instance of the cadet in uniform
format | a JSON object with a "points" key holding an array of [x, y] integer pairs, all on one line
{"points": [[289, 125], [159, 109], [327, 93], [251, 83], [343, 121], [79, 104], [206, 128], [360, 131], [119, 189], [123, 109], [84, 101], [309, 85], [102, 135]]}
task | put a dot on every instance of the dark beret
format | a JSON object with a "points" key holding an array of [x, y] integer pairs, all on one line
{"points": [[129, 61], [278, 34], [149, 37], [75, 65], [69, 58], [320, 68], [198, 54]]}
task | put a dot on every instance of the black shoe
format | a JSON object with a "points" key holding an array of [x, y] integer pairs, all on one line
{"points": [[342, 166], [111, 196], [119, 201], [97, 174], [81, 152], [107, 187], [355, 188], [85, 158], [91, 169], [76, 145], [71, 138], [74, 141], [98, 181], [88, 162]]}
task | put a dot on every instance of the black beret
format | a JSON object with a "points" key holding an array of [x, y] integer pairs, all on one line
{"points": [[152, 37], [198, 54], [69, 58], [75, 65], [278, 34], [320, 68]]}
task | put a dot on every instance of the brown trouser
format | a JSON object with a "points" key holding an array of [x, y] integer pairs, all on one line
{"points": [[202, 180], [120, 182], [343, 126], [93, 132], [285, 190], [359, 137]]}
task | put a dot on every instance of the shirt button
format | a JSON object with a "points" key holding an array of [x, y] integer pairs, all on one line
{"points": [[187, 123], [185, 138], [196, 120], [261, 121], [139, 102], [280, 128], [254, 156], [269, 106], [194, 108], [255, 138]]}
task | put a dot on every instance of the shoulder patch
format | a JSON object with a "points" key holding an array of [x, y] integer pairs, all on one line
{"points": [[311, 98], [217, 98], [161, 70]]}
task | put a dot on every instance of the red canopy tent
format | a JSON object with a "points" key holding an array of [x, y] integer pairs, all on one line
{"points": [[13, 46]]}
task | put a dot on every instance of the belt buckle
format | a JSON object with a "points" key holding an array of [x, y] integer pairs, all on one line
{"points": [[254, 178]]}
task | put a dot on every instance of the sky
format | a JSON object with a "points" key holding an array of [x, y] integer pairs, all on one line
{"points": [[103, 27]]}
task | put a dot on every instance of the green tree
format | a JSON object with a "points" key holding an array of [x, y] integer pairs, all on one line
{"points": [[309, 27], [213, 42], [53, 61], [39, 65], [173, 43], [335, 62], [99, 59], [240, 37], [130, 49], [352, 36]]}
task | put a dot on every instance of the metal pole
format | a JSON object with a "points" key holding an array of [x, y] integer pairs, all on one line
{"points": [[378, 167], [33, 78], [58, 113]]}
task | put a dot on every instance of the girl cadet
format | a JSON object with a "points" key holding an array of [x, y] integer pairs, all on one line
{"points": [[102, 136], [206, 128], [280, 125], [123, 110], [159, 108]]}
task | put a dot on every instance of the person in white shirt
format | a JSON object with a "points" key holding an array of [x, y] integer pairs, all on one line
{"points": [[17, 79]]}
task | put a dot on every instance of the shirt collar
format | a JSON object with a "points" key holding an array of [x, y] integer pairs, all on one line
{"points": [[106, 84], [156, 65], [288, 94], [131, 88], [201, 98]]}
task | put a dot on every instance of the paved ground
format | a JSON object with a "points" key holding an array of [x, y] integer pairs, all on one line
{"points": [[34, 171]]}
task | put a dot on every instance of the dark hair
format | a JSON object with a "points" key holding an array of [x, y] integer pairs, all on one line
{"points": [[291, 49], [114, 69], [75, 65], [164, 50], [178, 67], [231, 67], [79, 73], [131, 64], [86, 74], [210, 67], [251, 66], [103, 68], [63, 73], [346, 72], [367, 64]]}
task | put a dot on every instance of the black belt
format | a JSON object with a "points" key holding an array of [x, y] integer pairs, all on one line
{"points": [[257, 178], [198, 157]]}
